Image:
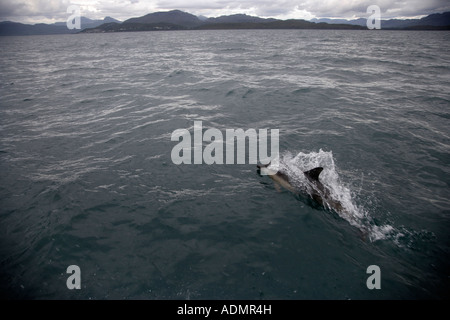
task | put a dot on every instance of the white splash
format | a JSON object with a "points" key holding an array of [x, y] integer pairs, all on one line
{"points": [[295, 166]]}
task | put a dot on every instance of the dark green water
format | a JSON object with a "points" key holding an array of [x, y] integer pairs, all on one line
{"points": [[87, 177]]}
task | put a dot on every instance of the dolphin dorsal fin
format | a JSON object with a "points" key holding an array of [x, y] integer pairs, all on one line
{"points": [[313, 174], [263, 165]]}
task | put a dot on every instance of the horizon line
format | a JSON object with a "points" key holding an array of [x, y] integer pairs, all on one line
{"points": [[225, 15]]}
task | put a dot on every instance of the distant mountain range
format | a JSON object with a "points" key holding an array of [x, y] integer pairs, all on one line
{"points": [[179, 20], [435, 20], [8, 28]]}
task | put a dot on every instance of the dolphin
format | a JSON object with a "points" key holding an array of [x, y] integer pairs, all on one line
{"points": [[316, 190]]}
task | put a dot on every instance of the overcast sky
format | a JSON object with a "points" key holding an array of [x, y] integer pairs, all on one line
{"points": [[48, 11]]}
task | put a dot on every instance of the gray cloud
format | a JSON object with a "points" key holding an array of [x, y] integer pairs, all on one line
{"points": [[389, 8], [55, 10], [33, 9]]}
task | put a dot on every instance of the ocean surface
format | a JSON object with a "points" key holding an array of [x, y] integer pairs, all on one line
{"points": [[87, 177]]}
